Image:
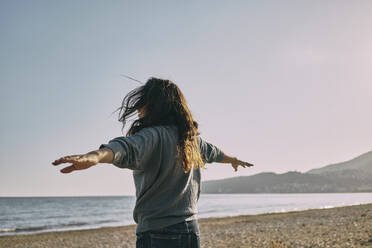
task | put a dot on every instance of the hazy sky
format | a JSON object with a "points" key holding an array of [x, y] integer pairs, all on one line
{"points": [[286, 85]]}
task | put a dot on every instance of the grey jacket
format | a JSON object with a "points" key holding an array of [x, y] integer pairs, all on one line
{"points": [[165, 194]]}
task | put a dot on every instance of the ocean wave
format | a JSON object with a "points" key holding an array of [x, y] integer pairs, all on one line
{"points": [[328, 206], [31, 229], [73, 224], [208, 211], [57, 216], [10, 218], [105, 221], [5, 230], [43, 228], [62, 226]]}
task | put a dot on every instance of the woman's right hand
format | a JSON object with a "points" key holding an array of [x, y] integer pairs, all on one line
{"points": [[84, 161], [79, 162]]}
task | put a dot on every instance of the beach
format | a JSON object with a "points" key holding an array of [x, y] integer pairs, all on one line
{"points": [[349, 226]]}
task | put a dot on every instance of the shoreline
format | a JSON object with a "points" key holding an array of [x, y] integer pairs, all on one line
{"points": [[199, 219], [345, 226], [258, 193], [20, 233]]}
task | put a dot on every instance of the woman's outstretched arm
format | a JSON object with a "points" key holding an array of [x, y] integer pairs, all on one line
{"points": [[84, 161], [211, 153]]}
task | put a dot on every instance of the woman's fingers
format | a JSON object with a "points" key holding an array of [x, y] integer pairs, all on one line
{"points": [[66, 159], [242, 164], [248, 164], [68, 169]]}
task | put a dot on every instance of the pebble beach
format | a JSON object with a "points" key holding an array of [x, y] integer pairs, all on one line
{"points": [[349, 226]]}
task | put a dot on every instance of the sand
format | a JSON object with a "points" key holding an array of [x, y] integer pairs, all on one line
{"points": [[335, 227]]}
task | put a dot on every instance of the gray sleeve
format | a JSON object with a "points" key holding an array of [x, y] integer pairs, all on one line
{"points": [[133, 151], [209, 152]]}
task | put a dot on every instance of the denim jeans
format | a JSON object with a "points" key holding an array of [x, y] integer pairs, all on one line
{"points": [[181, 235]]}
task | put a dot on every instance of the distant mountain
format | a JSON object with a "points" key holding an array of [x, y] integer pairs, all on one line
{"points": [[362, 163], [351, 176]]}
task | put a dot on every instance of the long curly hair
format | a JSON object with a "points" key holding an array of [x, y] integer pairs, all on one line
{"points": [[164, 104]]}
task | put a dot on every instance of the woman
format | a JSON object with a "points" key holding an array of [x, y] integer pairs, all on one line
{"points": [[165, 152]]}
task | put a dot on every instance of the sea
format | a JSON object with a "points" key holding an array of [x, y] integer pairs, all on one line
{"points": [[28, 215]]}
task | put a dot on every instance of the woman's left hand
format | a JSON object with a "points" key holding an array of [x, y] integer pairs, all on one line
{"points": [[79, 162], [236, 163]]}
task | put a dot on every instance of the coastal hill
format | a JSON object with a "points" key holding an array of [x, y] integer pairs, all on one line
{"points": [[350, 176]]}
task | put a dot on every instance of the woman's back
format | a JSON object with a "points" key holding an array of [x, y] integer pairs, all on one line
{"points": [[166, 195]]}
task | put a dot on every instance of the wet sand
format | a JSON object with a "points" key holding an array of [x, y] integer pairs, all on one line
{"points": [[335, 227]]}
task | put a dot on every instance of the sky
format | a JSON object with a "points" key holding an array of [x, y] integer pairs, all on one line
{"points": [[285, 85]]}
